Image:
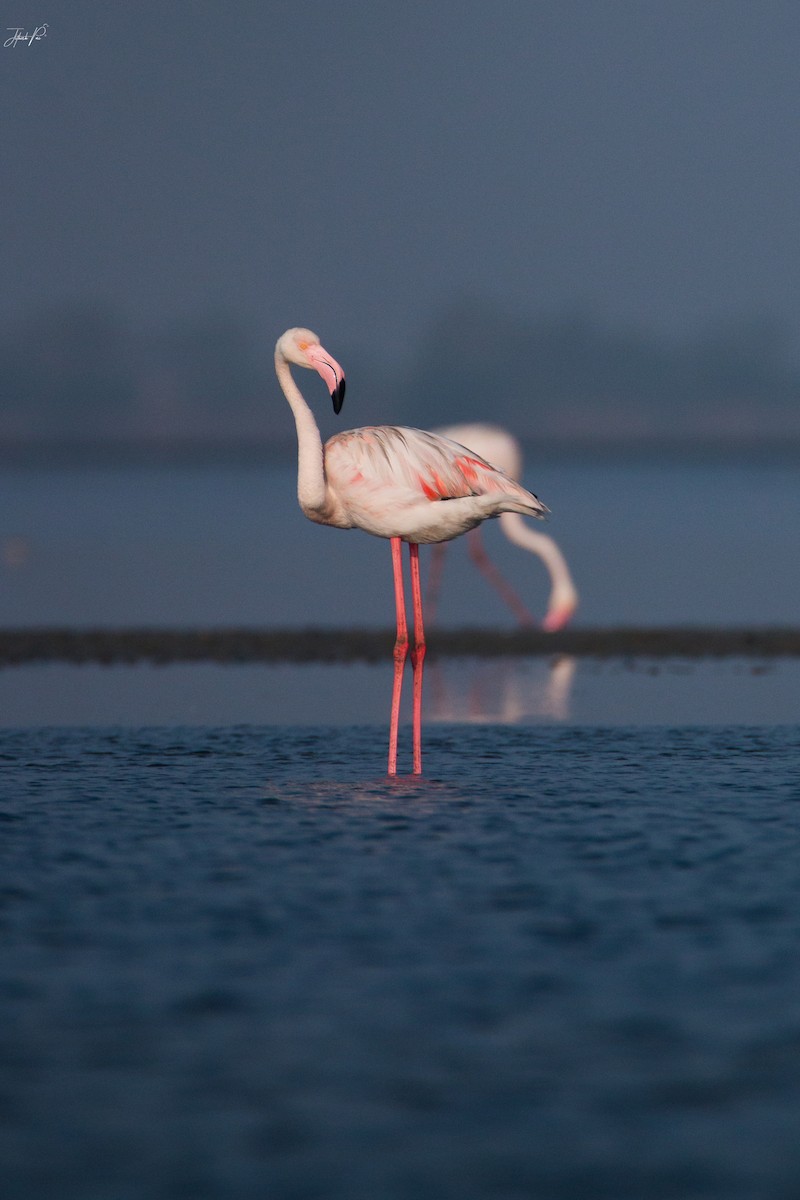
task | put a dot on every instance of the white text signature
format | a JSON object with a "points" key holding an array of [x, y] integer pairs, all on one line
{"points": [[18, 34]]}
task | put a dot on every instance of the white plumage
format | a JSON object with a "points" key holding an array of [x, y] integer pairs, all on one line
{"points": [[397, 483]]}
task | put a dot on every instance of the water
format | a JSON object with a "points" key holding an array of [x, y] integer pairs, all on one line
{"points": [[226, 545], [186, 546], [240, 962], [515, 691]]}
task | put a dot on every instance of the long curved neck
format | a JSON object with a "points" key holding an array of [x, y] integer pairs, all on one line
{"points": [[522, 535], [311, 485]]}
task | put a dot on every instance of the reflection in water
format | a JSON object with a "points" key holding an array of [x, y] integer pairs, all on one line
{"points": [[505, 690], [352, 793]]}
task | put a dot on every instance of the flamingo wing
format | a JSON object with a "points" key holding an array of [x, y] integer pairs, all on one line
{"points": [[394, 481], [424, 464]]}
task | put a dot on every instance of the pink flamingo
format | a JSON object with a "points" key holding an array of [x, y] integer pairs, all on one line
{"points": [[403, 484], [500, 448]]}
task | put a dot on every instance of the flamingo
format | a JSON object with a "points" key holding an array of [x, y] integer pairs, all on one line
{"points": [[403, 484], [502, 449]]}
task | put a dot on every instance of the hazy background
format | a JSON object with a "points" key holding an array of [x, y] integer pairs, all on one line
{"points": [[580, 219]]}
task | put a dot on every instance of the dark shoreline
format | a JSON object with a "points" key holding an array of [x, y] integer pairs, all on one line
{"points": [[162, 646]]}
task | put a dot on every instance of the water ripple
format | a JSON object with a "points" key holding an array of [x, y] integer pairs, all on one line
{"points": [[241, 962]]}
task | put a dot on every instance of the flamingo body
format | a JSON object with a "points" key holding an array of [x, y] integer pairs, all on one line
{"points": [[502, 449], [403, 484], [391, 481]]}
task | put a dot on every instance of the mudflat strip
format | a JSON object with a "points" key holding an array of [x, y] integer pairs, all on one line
{"points": [[126, 646]]}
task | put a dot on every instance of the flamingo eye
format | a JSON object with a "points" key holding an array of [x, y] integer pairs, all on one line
{"points": [[303, 345]]}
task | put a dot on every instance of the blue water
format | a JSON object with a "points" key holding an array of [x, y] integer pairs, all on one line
{"points": [[237, 961], [514, 691], [648, 544], [240, 962]]}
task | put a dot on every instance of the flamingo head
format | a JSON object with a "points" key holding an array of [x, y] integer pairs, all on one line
{"points": [[560, 612], [302, 347]]}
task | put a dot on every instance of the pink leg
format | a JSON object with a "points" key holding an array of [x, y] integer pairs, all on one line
{"points": [[400, 650], [435, 578], [490, 571], [417, 655]]}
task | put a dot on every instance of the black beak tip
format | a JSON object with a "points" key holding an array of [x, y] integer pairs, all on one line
{"points": [[337, 396]]}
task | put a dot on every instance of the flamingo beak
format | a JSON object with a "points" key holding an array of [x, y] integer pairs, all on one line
{"points": [[330, 371], [337, 396]]}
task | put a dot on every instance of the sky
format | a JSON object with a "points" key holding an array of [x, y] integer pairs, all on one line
{"points": [[357, 168]]}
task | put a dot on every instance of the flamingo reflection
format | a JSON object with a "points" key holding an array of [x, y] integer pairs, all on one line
{"points": [[507, 691]]}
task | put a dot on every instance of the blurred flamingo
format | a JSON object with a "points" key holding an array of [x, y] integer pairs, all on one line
{"points": [[503, 451], [397, 483]]}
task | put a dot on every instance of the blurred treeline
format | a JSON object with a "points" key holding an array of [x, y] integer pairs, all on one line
{"points": [[84, 375]]}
